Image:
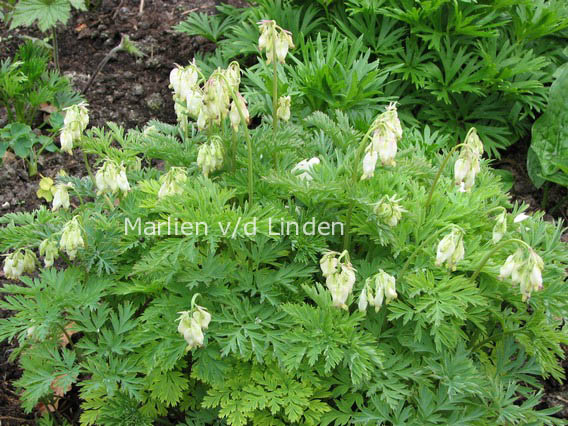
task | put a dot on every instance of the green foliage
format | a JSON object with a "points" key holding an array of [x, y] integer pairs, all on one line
{"points": [[46, 13], [548, 154], [450, 65], [455, 346], [26, 86]]}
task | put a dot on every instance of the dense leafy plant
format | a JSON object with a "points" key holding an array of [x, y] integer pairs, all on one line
{"points": [[187, 292], [548, 154], [26, 87], [451, 64], [45, 13]]}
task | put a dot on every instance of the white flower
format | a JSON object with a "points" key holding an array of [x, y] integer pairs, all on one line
{"points": [[202, 316], [369, 164], [467, 165], [194, 101], [234, 114], [71, 238], [328, 263], [525, 269], [283, 42], [450, 249], [172, 182], [75, 122], [210, 156], [521, 217], [500, 227], [49, 250], [306, 167], [384, 142], [283, 111], [60, 197], [14, 265], [112, 178], [340, 277], [19, 263], [191, 326], [378, 288]]}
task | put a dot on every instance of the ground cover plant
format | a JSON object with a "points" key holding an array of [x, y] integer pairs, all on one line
{"points": [[29, 89], [440, 302], [449, 64]]}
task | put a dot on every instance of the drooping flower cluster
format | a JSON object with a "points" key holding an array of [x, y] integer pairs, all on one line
{"points": [[305, 167], [467, 165], [48, 249], [389, 210], [61, 196], [387, 131], [377, 288], [191, 326], [500, 227], [172, 182], [74, 124], [71, 238], [450, 249], [339, 275], [18, 263], [212, 103], [283, 111], [210, 156], [274, 40], [111, 178], [525, 268]]}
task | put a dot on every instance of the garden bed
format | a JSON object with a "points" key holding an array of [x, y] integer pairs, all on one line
{"points": [[132, 91]]}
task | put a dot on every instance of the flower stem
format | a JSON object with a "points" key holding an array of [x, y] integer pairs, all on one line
{"points": [[55, 48], [354, 179], [274, 87], [437, 178], [88, 167], [234, 151], [493, 251]]}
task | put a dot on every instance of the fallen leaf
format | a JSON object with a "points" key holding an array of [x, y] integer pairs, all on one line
{"points": [[57, 389], [63, 340]]}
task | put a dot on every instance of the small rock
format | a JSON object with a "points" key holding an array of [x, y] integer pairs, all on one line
{"points": [[6, 205], [155, 102], [128, 74], [138, 90]]}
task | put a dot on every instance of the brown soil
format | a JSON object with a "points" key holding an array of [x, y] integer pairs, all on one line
{"points": [[130, 92]]}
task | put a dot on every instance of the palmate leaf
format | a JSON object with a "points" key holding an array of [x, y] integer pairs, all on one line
{"points": [[47, 13]]}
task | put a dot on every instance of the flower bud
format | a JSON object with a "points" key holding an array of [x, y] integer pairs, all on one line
{"points": [[191, 326], [283, 42], [389, 210], [283, 111], [450, 249], [500, 227], [305, 167], [29, 261], [467, 165], [71, 238], [382, 285], [48, 249]]}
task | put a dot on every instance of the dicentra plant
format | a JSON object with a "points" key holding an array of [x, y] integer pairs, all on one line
{"points": [[412, 292], [27, 87], [450, 64]]}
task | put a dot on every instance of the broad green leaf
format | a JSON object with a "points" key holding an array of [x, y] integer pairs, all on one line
{"points": [[550, 136], [47, 13]]}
